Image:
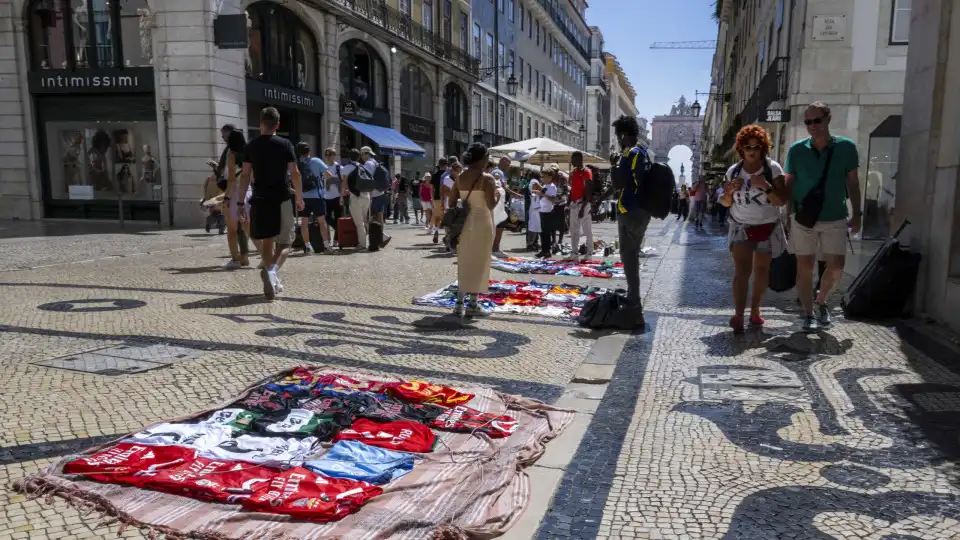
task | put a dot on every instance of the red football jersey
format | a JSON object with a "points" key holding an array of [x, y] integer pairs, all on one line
{"points": [[129, 463], [424, 392], [213, 480], [306, 495], [401, 435], [466, 420]]}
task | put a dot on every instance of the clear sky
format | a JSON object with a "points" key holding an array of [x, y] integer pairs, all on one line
{"points": [[659, 76]]}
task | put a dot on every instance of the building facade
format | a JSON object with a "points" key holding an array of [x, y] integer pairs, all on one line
{"points": [[928, 185], [597, 104], [112, 109], [552, 68], [775, 58]]}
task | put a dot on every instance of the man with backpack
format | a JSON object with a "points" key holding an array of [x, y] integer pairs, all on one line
{"points": [[821, 174], [359, 187], [379, 198], [312, 172], [401, 188], [645, 190]]}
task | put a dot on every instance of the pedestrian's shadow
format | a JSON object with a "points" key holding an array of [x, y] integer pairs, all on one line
{"points": [[796, 345], [197, 270], [442, 323], [224, 302]]}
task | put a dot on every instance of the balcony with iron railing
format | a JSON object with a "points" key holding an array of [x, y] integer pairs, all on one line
{"points": [[558, 20], [772, 87], [403, 27], [491, 139], [599, 81]]}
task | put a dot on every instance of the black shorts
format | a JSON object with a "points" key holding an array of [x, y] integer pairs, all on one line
{"points": [[272, 219], [317, 207]]}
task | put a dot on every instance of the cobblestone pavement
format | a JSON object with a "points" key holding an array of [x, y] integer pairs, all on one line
{"points": [[99, 348], [849, 433]]}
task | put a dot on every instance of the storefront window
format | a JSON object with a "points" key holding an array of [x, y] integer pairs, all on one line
{"points": [[81, 34], [282, 49], [136, 33], [416, 93], [48, 41], [363, 77], [881, 183], [101, 160]]}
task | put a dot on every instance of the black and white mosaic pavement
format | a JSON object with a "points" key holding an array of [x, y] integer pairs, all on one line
{"points": [[850, 433]]}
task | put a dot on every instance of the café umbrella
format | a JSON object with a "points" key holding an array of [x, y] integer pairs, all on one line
{"points": [[542, 150]]}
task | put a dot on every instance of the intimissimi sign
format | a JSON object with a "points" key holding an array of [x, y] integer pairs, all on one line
{"points": [[98, 81]]}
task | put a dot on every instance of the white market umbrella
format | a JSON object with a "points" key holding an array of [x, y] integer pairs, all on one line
{"points": [[542, 150]]}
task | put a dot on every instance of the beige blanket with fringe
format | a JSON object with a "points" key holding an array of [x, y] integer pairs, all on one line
{"points": [[471, 486]]}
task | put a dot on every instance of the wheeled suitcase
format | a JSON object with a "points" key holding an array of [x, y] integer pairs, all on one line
{"points": [[882, 288], [375, 236], [347, 232]]}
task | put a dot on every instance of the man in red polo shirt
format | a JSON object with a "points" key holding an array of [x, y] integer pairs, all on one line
{"points": [[581, 188]]}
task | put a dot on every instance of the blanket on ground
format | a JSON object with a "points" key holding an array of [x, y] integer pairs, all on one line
{"points": [[469, 486]]}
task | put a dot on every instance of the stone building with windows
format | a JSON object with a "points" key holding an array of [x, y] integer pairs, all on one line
{"points": [[112, 109], [927, 187], [774, 58], [552, 68]]}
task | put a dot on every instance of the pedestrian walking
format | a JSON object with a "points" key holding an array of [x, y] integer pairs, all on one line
{"points": [[333, 184], [271, 159], [313, 171], [548, 195], [684, 204], [581, 192], [478, 190], [438, 199], [234, 200], [754, 190], [426, 201], [822, 174]]}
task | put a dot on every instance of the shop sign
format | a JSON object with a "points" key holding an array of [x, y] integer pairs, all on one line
{"points": [[231, 32], [418, 129], [284, 97], [829, 27], [775, 116], [107, 81], [349, 108]]}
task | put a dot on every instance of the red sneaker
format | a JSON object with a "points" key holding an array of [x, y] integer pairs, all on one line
{"points": [[736, 322], [756, 320]]}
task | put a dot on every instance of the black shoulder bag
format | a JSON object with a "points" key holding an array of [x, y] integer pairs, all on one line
{"points": [[455, 218], [808, 211]]}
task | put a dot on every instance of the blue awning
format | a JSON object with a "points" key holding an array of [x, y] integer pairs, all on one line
{"points": [[390, 141]]}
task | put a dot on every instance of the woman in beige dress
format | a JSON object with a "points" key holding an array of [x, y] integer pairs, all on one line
{"points": [[479, 190]]}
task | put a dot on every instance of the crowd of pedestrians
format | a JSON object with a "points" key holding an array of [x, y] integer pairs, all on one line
{"points": [[767, 208]]}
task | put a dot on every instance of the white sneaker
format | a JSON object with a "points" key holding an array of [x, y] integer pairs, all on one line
{"points": [[279, 286], [500, 255], [232, 265]]}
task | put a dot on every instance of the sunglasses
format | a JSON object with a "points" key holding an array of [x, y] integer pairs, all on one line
{"points": [[753, 148], [813, 121]]}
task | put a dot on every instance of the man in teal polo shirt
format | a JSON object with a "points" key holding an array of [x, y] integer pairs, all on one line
{"points": [[806, 161]]}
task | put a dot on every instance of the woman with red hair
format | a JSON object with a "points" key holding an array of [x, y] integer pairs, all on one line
{"points": [[753, 191]]}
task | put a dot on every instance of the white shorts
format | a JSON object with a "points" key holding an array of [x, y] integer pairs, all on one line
{"points": [[826, 237]]}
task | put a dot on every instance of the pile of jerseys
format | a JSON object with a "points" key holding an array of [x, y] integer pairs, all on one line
{"points": [[592, 268], [545, 299], [311, 445]]}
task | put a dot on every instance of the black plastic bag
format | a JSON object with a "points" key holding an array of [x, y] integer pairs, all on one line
{"points": [[608, 311], [783, 272]]}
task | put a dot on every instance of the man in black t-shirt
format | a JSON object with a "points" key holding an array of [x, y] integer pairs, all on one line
{"points": [[271, 159]]}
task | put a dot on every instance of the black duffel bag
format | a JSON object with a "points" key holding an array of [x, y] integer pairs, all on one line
{"points": [[608, 311], [783, 272]]}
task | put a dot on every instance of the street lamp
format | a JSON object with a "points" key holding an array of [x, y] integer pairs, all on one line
{"points": [[695, 108], [583, 136], [512, 84]]}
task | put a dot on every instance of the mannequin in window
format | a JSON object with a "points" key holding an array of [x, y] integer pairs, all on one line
{"points": [[146, 33], [73, 149], [97, 162], [151, 169], [125, 180], [80, 47], [124, 150]]}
